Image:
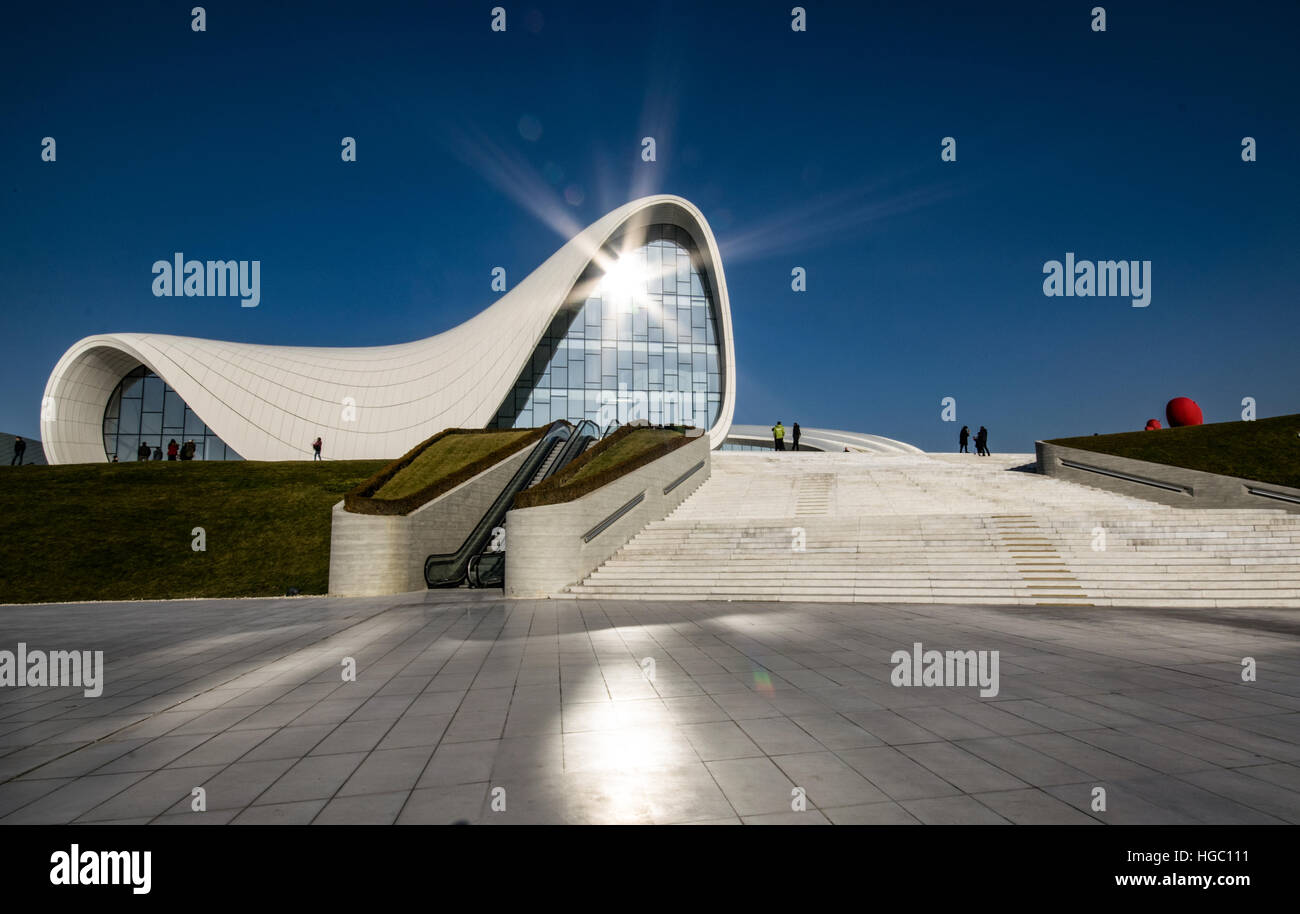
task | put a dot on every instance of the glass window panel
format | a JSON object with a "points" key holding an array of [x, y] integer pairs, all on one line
{"points": [[173, 410], [153, 394], [131, 385], [129, 421]]}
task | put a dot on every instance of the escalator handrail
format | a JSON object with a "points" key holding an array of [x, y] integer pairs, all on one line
{"points": [[582, 435], [576, 444], [454, 564]]}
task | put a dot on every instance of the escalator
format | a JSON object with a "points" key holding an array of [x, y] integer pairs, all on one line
{"points": [[480, 560], [488, 567]]}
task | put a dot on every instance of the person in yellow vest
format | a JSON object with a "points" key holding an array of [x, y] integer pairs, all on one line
{"points": [[778, 436]]}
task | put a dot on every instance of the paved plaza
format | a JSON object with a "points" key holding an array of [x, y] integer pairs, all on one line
{"points": [[468, 707]]}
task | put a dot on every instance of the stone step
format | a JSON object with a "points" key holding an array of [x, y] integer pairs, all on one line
{"points": [[913, 528]]}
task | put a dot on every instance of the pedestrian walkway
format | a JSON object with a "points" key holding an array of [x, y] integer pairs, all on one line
{"points": [[467, 707], [953, 528]]}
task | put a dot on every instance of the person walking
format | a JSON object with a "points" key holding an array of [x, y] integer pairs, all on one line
{"points": [[982, 442], [796, 436], [316, 446], [778, 436], [172, 449], [963, 438], [20, 448]]}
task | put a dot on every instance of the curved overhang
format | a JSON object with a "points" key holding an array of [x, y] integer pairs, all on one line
{"points": [[823, 439], [270, 402]]}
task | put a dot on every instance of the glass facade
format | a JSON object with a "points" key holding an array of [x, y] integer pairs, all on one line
{"points": [[144, 408], [643, 344]]}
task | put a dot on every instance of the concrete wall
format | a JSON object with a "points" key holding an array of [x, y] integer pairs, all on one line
{"points": [[545, 549], [372, 554], [1179, 487]]}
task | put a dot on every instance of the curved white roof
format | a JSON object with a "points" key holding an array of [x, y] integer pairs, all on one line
{"points": [[270, 402], [824, 439]]}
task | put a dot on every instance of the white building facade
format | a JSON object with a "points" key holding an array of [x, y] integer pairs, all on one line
{"points": [[628, 320]]}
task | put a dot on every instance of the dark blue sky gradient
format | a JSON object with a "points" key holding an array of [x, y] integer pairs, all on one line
{"points": [[818, 150]]}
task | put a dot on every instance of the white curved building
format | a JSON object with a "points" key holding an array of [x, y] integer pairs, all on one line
{"points": [[630, 319], [758, 438]]}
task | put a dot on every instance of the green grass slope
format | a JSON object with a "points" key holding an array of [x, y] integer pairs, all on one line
{"points": [[124, 531], [445, 458], [1267, 450], [629, 448]]}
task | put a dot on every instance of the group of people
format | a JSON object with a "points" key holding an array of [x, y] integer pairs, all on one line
{"points": [[175, 451], [778, 436], [186, 451], [981, 441]]}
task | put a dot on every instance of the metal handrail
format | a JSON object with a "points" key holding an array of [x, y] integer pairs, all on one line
{"points": [[449, 569]]}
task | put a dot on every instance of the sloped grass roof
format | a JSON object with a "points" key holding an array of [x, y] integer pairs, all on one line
{"points": [[1267, 450]]}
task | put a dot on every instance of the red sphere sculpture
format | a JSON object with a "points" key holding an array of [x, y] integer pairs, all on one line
{"points": [[1152, 425], [1182, 411]]}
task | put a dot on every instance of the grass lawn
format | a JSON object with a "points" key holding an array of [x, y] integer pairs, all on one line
{"points": [[628, 449], [123, 531], [445, 457], [623, 451], [1267, 450]]}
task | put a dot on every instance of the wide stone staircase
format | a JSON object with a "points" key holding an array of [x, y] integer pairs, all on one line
{"points": [[945, 528]]}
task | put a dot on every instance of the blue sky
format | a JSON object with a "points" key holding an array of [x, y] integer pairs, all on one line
{"points": [[819, 149]]}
